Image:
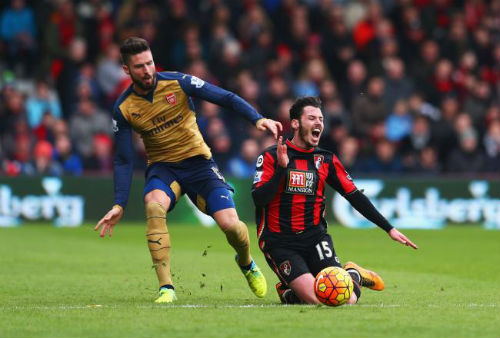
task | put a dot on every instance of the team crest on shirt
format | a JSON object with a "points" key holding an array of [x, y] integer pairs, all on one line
{"points": [[171, 98], [318, 161], [286, 267], [301, 182]]}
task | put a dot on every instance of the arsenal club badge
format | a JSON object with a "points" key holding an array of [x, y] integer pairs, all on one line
{"points": [[171, 98]]}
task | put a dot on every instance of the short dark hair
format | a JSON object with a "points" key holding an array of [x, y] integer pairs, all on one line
{"points": [[132, 46], [298, 106]]}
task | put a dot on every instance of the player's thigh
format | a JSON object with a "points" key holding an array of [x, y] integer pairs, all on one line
{"points": [[303, 286], [321, 254], [205, 186], [287, 263], [217, 202], [156, 190]]}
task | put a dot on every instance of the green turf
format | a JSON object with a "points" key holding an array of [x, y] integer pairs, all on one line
{"points": [[71, 283]]}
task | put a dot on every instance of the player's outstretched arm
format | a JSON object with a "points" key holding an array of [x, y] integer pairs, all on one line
{"points": [[108, 222], [122, 172], [196, 87], [340, 180], [401, 238], [363, 205], [274, 127]]}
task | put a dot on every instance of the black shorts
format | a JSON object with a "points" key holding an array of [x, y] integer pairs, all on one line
{"points": [[291, 259]]}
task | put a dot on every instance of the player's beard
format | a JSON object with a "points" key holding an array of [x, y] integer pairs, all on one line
{"points": [[303, 134], [142, 85]]}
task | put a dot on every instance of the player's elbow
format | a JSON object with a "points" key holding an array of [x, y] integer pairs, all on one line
{"points": [[123, 158]]}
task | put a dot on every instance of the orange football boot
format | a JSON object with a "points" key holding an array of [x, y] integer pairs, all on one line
{"points": [[369, 278]]}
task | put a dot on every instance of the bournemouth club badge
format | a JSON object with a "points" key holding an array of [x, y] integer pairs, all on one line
{"points": [[318, 161], [286, 267], [171, 98]]}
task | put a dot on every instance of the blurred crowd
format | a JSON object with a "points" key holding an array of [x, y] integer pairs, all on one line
{"points": [[408, 86]]}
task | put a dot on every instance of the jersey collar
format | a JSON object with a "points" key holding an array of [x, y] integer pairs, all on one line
{"points": [[149, 95], [297, 148]]}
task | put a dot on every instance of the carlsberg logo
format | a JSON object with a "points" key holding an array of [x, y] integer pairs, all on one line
{"points": [[64, 210], [428, 212]]}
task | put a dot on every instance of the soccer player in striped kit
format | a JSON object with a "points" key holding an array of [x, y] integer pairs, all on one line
{"points": [[288, 191]]}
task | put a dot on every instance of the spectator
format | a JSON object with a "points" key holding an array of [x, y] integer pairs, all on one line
{"points": [[478, 102], [399, 123], [221, 150], [467, 158], [18, 30], [369, 111], [67, 81], [102, 158], [491, 143], [355, 84], [109, 72], [88, 121], [442, 82], [349, 154], [422, 68], [43, 163], [62, 27], [336, 132], [428, 163], [243, 165], [63, 154], [384, 161], [418, 106], [43, 101], [397, 85], [421, 136]]}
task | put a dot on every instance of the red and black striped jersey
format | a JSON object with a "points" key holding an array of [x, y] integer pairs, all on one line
{"points": [[290, 202]]}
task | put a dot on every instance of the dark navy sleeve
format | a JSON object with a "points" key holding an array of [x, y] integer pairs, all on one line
{"points": [[196, 87], [123, 159]]}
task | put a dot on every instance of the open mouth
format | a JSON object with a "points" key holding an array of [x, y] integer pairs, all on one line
{"points": [[316, 132]]}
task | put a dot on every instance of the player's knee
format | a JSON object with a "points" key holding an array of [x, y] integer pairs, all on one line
{"points": [[353, 299], [303, 288], [309, 297], [356, 294], [228, 220], [158, 196]]}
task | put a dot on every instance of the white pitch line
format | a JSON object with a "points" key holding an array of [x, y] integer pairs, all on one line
{"points": [[204, 306]]}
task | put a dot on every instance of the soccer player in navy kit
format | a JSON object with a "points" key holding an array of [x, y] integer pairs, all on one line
{"points": [[288, 191], [158, 106]]}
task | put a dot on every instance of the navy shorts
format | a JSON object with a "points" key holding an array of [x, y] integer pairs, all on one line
{"points": [[197, 177]]}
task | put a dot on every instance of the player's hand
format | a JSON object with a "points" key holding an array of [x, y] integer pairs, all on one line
{"points": [[274, 127], [399, 237], [282, 154], [108, 222]]}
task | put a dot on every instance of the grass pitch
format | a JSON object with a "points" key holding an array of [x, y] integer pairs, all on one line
{"points": [[71, 283]]}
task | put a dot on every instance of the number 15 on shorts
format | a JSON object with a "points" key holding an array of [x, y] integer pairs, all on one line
{"points": [[324, 250]]}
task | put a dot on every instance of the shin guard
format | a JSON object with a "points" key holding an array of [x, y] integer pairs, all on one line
{"points": [[237, 237], [158, 241]]}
